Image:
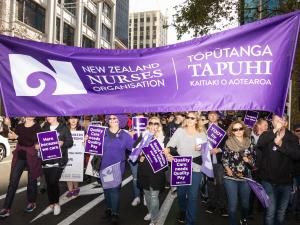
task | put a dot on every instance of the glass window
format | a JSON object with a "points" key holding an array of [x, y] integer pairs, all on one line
{"points": [[87, 43], [106, 10], [68, 35], [32, 14], [141, 20], [89, 19], [57, 29], [148, 19], [70, 5], [106, 33]]}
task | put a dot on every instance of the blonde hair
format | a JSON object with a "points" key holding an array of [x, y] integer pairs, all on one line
{"points": [[199, 124], [159, 134], [230, 129]]}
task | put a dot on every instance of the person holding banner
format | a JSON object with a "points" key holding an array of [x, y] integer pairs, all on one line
{"points": [[279, 148], [151, 182], [296, 129], [73, 188], [184, 139], [116, 142], [238, 160], [53, 168], [24, 157]]}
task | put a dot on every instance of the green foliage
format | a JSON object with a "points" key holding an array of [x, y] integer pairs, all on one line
{"points": [[199, 17]]}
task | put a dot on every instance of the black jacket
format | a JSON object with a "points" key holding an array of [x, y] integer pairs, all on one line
{"points": [[64, 135], [276, 164]]}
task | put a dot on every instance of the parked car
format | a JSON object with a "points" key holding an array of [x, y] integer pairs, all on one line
{"points": [[4, 148]]}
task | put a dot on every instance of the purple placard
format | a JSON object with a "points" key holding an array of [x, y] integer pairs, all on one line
{"points": [[244, 68], [181, 170], [250, 118], [155, 156], [215, 135], [139, 125], [95, 142], [207, 166], [49, 146]]}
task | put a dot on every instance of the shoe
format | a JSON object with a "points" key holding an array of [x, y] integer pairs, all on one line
{"points": [[147, 217], [56, 210], [48, 210], [181, 218], [114, 219], [107, 214], [223, 212], [144, 201], [243, 222], [210, 209], [69, 194], [136, 201], [204, 200], [4, 213], [30, 207], [76, 192], [152, 223]]}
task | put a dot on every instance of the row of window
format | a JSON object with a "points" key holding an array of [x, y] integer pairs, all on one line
{"points": [[142, 20]]}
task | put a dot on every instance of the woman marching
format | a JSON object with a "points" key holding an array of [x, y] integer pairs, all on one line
{"points": [[25, 156], [53, 168], [151, 182], [185, 140], [238, 160]]}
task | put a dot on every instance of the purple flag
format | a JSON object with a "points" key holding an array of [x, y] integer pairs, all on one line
{"points": [[139, 125], [215, 135], [245, 68], [260, 192], [136, 151], [111, 176], [49, 146], [251, 118], [95, 142], [181, 170], [155, 156], [207, 167]]}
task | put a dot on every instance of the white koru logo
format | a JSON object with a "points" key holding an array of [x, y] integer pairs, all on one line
{"points": [[108, 175], [22, 66]]}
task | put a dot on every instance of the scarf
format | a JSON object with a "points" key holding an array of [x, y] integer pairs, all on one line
{"points": [[235, 145]]}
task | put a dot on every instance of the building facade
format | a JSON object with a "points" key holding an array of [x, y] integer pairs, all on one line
{"points": [[79, 23], [122, 17], [147, 29]]}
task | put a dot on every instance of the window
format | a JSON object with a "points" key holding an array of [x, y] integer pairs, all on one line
{"points": [[87, 43], [141, 46], [32, 14], [70, 5], [106, 10], [68, 34], [155, 18], [89, 19], [141, 20], [148, 19], [106, 33], [57, 29]]}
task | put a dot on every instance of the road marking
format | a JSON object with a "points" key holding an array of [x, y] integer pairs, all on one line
{"points": [[165, 208], [80, 212], [18, 191]]}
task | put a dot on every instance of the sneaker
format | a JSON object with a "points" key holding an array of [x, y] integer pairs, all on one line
{"points": [[147, 217], [136, 201], [181, 218], [48, 210], [69, 194], [204, 199], [30, 207], [144, 201], [76, 192], [243, 222], [114, 219], [223, 212], [210, 209], [4, 213], [56, 210], [107, 214]]}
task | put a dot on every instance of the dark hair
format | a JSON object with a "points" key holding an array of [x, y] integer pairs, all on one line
{"points": [[230, 129]]}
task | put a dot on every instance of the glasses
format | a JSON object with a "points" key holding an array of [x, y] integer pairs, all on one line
{"points": [[297, 130], [113, 118], [154, 124], [237, 129], [203, 119], [190, 118]]}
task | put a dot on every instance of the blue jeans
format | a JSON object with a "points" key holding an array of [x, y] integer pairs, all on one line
{"points": [[188, 198], [152, 201], [237, 190], [112, 199], [134, 171], [297, 180], [279, 195]]}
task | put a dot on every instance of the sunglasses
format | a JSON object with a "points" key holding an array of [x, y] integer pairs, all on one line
{"points": [[203, 119], [154, 124], [297, 131], [237, 129], [113, 118], [190, 118]]}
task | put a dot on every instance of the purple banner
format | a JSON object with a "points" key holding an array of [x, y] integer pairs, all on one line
{"points": [[245, 68], [155, 156], [207, 166], [49, 146], [139, 125], [111, 176], [181, 170], [260, 192], [251, 118], [215, 135], [95, 141]]}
